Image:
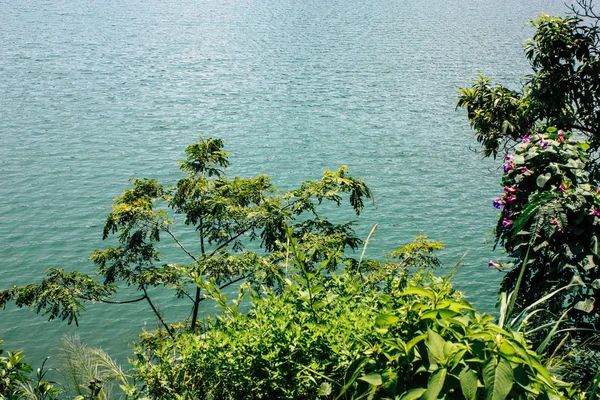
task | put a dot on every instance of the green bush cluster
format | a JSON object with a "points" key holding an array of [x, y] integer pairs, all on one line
{"points": [[377, 332]]}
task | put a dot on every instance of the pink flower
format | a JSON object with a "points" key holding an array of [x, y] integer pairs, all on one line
{"points": [[510, 199], [526, 139], [596, 212], [510, 189], [507, 223], [562, 188], [526, 170], [492, 264], [561, 136], [508, 157], [498, 203], [508, 167]]}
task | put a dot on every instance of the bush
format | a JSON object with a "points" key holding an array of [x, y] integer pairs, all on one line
{"points": [[371, 330]]}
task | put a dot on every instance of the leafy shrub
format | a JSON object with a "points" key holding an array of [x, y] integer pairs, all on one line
{"points": [[15, 382], [371, 330], [550, 222]]}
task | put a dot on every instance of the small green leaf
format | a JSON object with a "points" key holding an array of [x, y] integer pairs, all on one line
{"points": [[542, 180], [385, 320], [418, 291]]}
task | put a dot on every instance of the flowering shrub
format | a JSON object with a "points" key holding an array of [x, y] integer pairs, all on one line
{"points": [[550, 220]]}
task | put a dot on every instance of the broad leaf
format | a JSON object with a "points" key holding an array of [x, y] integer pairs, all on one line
{"points": [[435, 344], [468, 384], [372, 379], [498, 379], [413, 394], [435, 384]]}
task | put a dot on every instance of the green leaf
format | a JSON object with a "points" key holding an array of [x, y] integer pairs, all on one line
{"points": [[352, 373], [542, 180], [418, 291], [595, 245], [586, 305], [435, 383], [575, 164], [373, 379], [435, 344], [468, 383], [324, 389], [498, 379], [584, 146], [385, 320], [413, 394], [413, 342], [518, 160]]}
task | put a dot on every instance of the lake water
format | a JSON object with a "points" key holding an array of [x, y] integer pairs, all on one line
{"points": [[95, 92]]}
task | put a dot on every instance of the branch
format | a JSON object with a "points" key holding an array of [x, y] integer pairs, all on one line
{"points": [[586, 130], [178, 242], [241, 278], [157, 313], [117, 302], [252, 225]]}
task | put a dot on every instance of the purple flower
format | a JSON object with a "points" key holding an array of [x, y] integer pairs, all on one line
{"points": [[543, 143], [508, 167], [562, 188], [526, 139], [492, 264], [510, 189], [507, 223], [561, 136], [596, 212], [508, 157], [510, 199], [526, 170], [498, 203]]}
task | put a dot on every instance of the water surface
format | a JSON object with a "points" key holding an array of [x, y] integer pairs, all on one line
{"points": [[95, 92]]}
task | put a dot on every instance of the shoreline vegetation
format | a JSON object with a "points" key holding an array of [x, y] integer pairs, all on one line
{"points": [[314, 317]]}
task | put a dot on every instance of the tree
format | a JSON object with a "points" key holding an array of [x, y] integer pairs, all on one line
{"points": [[562, 92], [226, 213], [549, 135]]}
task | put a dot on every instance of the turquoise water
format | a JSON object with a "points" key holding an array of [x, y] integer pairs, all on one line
{"points": [[93, 93]]}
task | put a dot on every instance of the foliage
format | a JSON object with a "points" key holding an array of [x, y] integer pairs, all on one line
{"points": [[90, 373], [385, 333], [549, 219], [436, 346], [550, 214], [563, 91], [61, 294], [15, 382], [227, 213]]}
